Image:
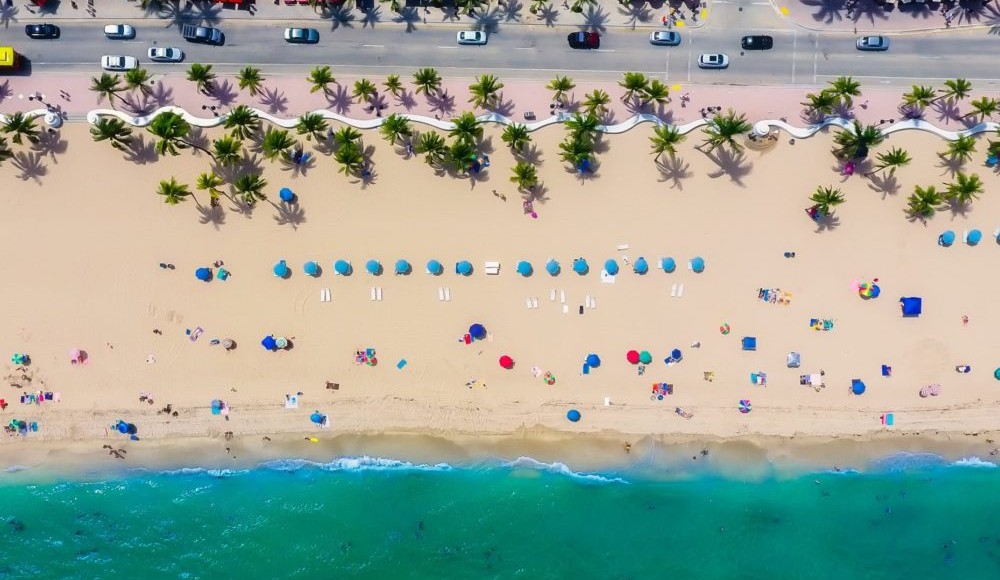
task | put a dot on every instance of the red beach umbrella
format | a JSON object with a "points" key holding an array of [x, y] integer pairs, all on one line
{"points": [[506, 362], [632, 356]]}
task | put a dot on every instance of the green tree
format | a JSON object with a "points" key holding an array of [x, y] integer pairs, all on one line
{"points": [[460, 155], [524, 175], [467, 128], [575, 150], [919, 97], [823, 102], [202, 77], [559, 86], [665, 139], [313, 126], [957, 89], [172, 192], [845, 89], [427, 80], [983, 107], [350, 158], [923, 201], [250, 78], [432, 146], [5, 152], [856, 139], [395, 126], [655, 92], [634, 83], [516, 136], [961, 149], [243, 122], [346, 135], [275, 142], [364, 90], [171, 131], [138, 79], [722, 130], [107, 86], [964, 189], [393, 85], [891, 159], [485, 91], [582, 126], [321, 78], [596, 102], [227, 150], [210, 182], [112, 130], [250, 187], [20, 127], [826, 198]]}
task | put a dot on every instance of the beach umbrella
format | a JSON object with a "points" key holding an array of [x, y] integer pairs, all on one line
{"points": [[203, 274], [698, 264], [668, 264], [947, 238], [640, 266], [269, 343], [857, 387], [75, 355], [594, 361], [281, 269], [317, 417], [434, 268], [403, 267], [645, 358], [676, 354], [373, 267], [342, 267], [996, 374], [974, 237], [745, 406], [611, 266], [286, 195], [632, 356], [524, 268], [573, 415], [477, 331], [506, 362], [580, 266], [311, 268], [934, 389], [463, 268], [874, 291], [552, 267], [228, 344], [122, 427]]}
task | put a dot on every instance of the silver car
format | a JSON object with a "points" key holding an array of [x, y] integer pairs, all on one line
{"points": [[472, 37], [714, 60], [119, 63], [664, 38], [165, 54], [119, 31], [873, 43], [301, 35]]}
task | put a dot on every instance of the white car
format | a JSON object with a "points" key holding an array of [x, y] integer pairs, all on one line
{"points": [[715, 60], [165, 54], [873, 43], [116, 63], [472, 37], [664, 38], [119, 31]]}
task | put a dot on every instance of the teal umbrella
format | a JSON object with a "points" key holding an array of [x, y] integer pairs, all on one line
{"points": [[580, 266], [281, 269], [342, 267], [611, 266], [552, 267], [524, 268], [668, 264], [434, 268], [311, 268], [463, 268], [640, 266], [403, 267], [373, 267], [698, 264]]}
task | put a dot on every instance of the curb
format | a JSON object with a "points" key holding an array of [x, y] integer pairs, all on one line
{"points": [[907, 32]]}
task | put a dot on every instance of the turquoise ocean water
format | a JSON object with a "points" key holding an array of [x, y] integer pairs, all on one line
{"points": [[907, 517]]}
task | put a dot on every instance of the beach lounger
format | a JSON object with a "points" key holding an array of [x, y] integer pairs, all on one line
{"points": [[441, 294], [492, 268], [378, 293], [373, 294], [622, 247], [447, 294], [292, 402], [965, 237], [402, 363], [673, 291], [534, 302], [562, 296], [527, 301], [680, 291], [552, 295], [565, 308]]}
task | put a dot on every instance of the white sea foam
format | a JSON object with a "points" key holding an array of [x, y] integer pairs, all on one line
{"points": [[360, 463], [974, 462], [904, 461], [559, 469], [205, 471], [16, 468]]}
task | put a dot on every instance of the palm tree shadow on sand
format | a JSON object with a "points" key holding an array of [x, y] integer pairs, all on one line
{"points": [[595, 19], [300, 168], [410, 16], [734, 164], [224, 93], [827, 223], [673, 169], [289, 214], [31, 166], [340, 100], [211, 214], [886, 184], [50, 143], [140, 152], [549, 15], [274, 100]]}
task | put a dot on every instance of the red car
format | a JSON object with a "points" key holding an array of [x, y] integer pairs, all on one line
{"points": [[584, 40]]}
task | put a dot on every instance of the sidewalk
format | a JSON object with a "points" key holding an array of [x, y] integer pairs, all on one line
{"points": [[604, 14], [871, 16]]}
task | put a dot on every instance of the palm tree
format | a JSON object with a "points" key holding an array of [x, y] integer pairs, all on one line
{"points": [[575, 151], [250, 78], [275, 143], [393, 85], [826, 198], [559, 87], [823, 102], [577, 6], [665, 139], [243, 122], [321, 79], [524, 175], [923, 201], [484, 91], [891, 159], [656, 92], [250, 186], [722, 130], [596, 102], [173, 193], [138, 78], [20, 126], [845, 89], [5, 152], [350, 158], [516, 136], [432, 146], [633, 83], [919, 97], [460, 155], [210, 182], [313, 126], [107, 86], [227, 150], [395, 126], [856, 141], [171, 131], [345, 136], [956, 89], [467, 128], [112, 130], [202, 76], [427, 80], [583, 126], [364, 90], [961, 149], [964, 189], [983, 107]]}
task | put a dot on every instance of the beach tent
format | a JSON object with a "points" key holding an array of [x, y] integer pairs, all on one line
{"points": [[668, 264], [281, 269], [857, 387], [373, 267], [973, 237], [463, 268], [749, 343], [343, 267], [676, 355], [697, 264], [552, 267], [203, 274], [947, 238], [611, 266], [573, 415], [269, 343], [640, 266], [645, 358], [506, 362], [912, 306], [580, 266], [403, 267], [311, 268], [793, 360], [632, 356], [594, 361], [477, 331], [524, 268], [434, 268]]}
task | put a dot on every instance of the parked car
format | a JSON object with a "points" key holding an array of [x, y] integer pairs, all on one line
{"points": [[664, 38], [42, 31], [715, 60], [757, 42], [472, 37], [203, 34], [119, 63], [301, 35], [873, 43], [119, 31], [165, 54], [584, 40]]}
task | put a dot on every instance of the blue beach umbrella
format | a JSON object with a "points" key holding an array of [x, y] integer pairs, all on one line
{"points": [[463, 268], [552, 267], [676, 355], [121, 427], [947, 238], [281, 269], [974, 237], [524, 268], [573, 415], [434, 268], [317, 417], [342, 267], [403, 267], [611, 266], [593, 360], [373, 267], [477, 331], [640, 266], [668, 264], [698, 264], [286, 195], [311, 268], [580, 266], [203, 274], [857, 387], [269, 343]]}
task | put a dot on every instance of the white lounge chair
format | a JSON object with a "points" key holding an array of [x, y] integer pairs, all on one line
{"points": [[492, 268]]}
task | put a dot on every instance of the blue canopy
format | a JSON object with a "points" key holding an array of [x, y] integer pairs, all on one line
{"points": [[342, 267], [573, 415], [317, 417], [912, 305], [477, 331], [698, 264], [524, 268], [876, 291], [434, 267], [580, 266], [464, 268], [668, 264], [373, 267], [286, 195], [640, 266], [203, 274], [552, 267], [974, 237], [269, 343], [857, 387], [611, 266], [311, 268], [122, 427], [676, 354], [947, 238], [403, 267], [593, 360], [281, 269]]}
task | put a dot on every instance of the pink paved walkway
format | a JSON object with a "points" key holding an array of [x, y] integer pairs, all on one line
{"points": [[873, 16]]}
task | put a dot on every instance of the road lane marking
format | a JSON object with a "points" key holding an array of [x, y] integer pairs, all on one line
{"points": [[604, 50], [795, 44], [524, 48], [373, 45]]}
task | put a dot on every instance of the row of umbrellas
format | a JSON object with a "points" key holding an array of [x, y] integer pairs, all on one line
{"points": [[972, 237], [464, 267]]}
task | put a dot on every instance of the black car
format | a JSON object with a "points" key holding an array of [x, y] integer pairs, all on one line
{"points": [[584, 40], [42, 31], [759, 42], [203, 34]]}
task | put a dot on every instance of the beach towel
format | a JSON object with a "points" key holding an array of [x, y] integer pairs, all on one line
{"points": [[291, 402]]}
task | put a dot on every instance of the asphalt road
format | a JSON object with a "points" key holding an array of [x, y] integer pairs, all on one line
{"points": [[537, 52]]}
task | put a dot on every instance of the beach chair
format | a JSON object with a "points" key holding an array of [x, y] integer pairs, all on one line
{"points": [[749, 343], [492, 268], [886, 371]]}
